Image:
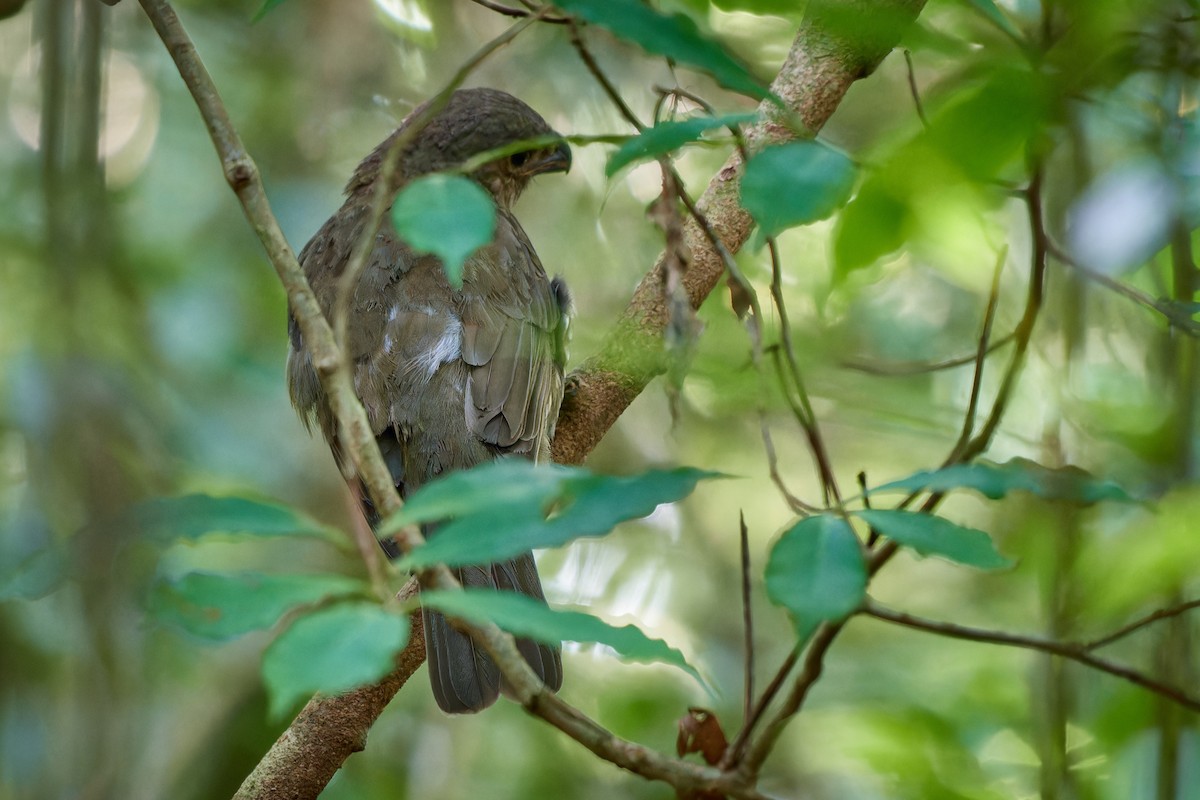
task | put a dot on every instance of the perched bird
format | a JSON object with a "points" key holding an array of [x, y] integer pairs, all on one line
{"points": [[450, 378]]}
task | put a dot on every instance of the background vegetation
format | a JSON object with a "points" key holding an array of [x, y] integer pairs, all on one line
{"points": [[142, 342]]}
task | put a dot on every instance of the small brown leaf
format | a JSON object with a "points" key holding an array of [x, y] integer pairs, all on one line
{"points": [[700, 732]]}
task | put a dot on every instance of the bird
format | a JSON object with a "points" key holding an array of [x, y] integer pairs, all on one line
{"points": [[450, 377]]}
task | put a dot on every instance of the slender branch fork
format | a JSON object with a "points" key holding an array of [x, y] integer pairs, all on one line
{"points": [[1075, 652]]}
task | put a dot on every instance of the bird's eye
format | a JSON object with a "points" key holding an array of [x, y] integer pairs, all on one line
{"points": [[519, 159]]}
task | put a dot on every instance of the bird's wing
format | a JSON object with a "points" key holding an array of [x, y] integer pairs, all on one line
{"points": [[514, 323]]}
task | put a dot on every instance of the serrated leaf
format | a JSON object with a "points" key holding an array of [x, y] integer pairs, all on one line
{"points": [[931, 535], [225, 605], [1068, 484], [507, 483], [525, 617], [332, 650], [667, 136], [585, 505], [816, 571], [447, 215], [796, 184], [675, 37], [165, 519]]}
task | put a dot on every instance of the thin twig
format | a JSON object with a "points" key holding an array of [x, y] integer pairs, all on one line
{"points": [[1138, 624], [901, 369], [912, 87], [508, 11], [733, 753], [810, 673], [794, 503], [1177, 315], [808, 421], [985, 332], [1024, 330], [1068, 650], [747, 621]]}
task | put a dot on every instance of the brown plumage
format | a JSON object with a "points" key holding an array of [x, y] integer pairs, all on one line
{"points": [[450, 378]]}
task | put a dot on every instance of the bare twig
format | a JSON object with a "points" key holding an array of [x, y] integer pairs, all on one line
{"points": [[509, 11], [1074, 652], [810, 672], [733, 754], [747, 621], [1177, 315], [912, 87], [985, 333], [904, 368], [1024, 330], [1138, 624], [808, 420]]}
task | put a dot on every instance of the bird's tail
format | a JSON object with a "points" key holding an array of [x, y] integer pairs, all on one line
{"points": [[463, 676]]}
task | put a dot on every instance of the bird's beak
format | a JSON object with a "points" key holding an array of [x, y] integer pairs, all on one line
{"points": [[556, 160]]}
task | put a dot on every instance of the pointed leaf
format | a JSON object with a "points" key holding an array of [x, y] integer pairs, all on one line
{"points": [[930, 535], [508, 483], [523, 616], [796, 184], [332, 650], [1068, 484], [992, 12], [667, 136], [816, 571], [166, 519], [447, 215], [590, 505], [225, 605], [675, 37]]}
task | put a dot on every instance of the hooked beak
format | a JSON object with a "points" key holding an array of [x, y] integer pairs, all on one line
{"points": [[556, 160]]}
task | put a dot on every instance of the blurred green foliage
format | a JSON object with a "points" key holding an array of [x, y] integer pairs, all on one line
{"points": [[142, 340]]}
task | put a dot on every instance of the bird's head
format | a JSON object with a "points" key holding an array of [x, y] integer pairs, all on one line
{"points": [[474, 122]]}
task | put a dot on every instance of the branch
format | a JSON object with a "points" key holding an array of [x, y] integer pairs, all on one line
{"points": [[825, 59], [1138, 624], [1068, 650]]}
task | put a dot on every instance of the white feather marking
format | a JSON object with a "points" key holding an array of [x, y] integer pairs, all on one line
{"points": [[446, 348]]}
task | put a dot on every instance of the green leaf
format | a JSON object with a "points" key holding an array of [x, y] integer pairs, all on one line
{"points": [[332, 650], [447, 215], [525, 617], [675, 37], [514, 519], [505, 483], [795, 184], [931, 535], [816, 571], [994, 15], [1068, 484], [165, 519], [872, 225], [265, 8], [225, 605], [667, 136], [37, 575]]}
